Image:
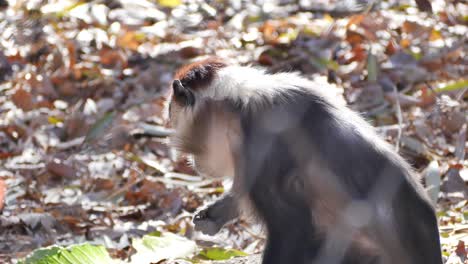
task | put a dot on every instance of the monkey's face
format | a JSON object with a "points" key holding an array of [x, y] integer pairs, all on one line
{"points": [[202, 131], [180, 116], [174, 111], [203, 126], [190, 80]]}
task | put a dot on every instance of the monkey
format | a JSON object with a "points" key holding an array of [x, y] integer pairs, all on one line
{"points": [[327, 188], [210, 220]]}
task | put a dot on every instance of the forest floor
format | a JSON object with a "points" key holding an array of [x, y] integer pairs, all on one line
{"points": [[83, 142]]}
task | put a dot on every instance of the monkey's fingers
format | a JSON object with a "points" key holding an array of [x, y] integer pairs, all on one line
{"points": [[206, 224]]}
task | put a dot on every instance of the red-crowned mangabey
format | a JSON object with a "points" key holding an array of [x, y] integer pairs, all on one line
{"points": [[328, 189]]}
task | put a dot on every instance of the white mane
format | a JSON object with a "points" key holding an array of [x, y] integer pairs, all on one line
{"points": [[248, 84]]}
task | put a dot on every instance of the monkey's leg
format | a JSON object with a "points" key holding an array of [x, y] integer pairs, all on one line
{"points": [[211, 219], [417, 226], [289, 225]]}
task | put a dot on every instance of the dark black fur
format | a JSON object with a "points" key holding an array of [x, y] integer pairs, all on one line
{"points": [[296, 142], [182, 95], [213, 218], [274, 169], [274, 176]]}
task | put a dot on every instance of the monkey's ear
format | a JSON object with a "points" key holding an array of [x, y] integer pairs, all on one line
{"points": [[182, 94]]}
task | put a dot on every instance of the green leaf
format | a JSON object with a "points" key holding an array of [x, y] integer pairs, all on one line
{"points": [[169, 3], [453, 86], [60, 9], [372, 67], [100, 127], [324, 63], [152, 249], [155, 233], [416, 55], [54, 120], [216, 253], [288, 36], [402, 7], [76, 254]]}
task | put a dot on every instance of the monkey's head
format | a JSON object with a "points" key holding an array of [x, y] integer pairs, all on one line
{"points": [[189, 81], [203, 126]]}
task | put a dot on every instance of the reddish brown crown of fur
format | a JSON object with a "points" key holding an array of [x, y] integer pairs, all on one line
{"points": [[199, 74]]}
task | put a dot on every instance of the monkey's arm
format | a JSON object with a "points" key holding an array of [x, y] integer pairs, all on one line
{"points": [[211, 219]]}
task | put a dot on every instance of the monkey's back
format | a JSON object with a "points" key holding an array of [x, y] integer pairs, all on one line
{"points": [[327, 187], [339, 175]]}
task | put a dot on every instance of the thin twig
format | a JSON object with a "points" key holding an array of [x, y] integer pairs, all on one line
{"points": [[399, 118], [459, 96]]}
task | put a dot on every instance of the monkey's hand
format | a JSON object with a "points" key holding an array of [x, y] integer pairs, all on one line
{"points": [[206, 222], [211, 219]]}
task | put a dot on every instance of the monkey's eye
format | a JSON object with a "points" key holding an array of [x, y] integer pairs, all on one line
{"points": [[182, 94]]}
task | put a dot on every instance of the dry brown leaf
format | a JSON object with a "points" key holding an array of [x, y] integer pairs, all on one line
{"points": [[405, 43], [76, 126], [433, 64], [269, 31], [46, 88], [182, 166], [265, 59], [424, 5], [13, 131], [171, 201], [355, 20], [435, 35], [129, 40], [149, 191], [427, 98], [189, 52], [454, 184], [403, 99], [101, 184], [461, 250], [60, 169], [415, 29], [23, 99], [354, 37], [453, 121], [391, 48], [212, 24], [192, 202], [359, 54], [71, 220], [72, 53], [68, 88], [111, 58]]}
